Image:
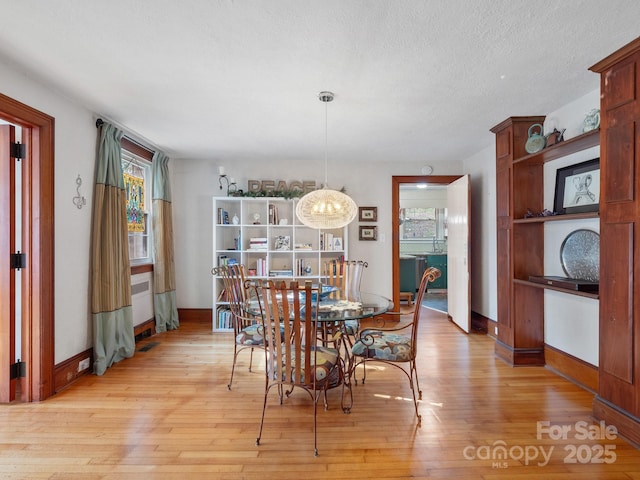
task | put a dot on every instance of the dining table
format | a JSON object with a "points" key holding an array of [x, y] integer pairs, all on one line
{"points": [[339, 314]]}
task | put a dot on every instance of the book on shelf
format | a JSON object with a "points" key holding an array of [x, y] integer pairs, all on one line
{"points": [[224, 319], [303, 246], [222, 296], [258, 243], [302, 267], [334, 267], [280, 273], [223, 216], [273, 215], [326, 241], [575, 284], [225, 260], [261, 267]]}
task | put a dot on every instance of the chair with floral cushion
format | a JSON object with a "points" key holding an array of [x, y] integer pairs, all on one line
{"points": [[396, 344], [298, 361], [247, 329]]}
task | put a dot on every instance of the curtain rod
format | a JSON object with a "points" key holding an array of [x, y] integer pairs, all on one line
{"points": [[147, 146]]}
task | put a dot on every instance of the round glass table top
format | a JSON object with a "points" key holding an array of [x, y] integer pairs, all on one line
{"points": [[353, 306]]}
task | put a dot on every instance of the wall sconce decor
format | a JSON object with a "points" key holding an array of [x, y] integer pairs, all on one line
{"points": [[227, 182], [79, 201]]}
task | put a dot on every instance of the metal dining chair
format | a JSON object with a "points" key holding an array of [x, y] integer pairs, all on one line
{"points": [[298, 361], [247, 328], [347, 276], [396, 344]]}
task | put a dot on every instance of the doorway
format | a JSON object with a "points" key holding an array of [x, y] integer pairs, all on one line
{"points": [[33, 378], [423, 241], [447, 182]]}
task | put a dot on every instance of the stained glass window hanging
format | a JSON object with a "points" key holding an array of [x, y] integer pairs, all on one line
{"points": [[134, 189]]}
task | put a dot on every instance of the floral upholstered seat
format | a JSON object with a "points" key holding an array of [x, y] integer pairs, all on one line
{"points": [[251, 335], [384, 346], [324, 363]]}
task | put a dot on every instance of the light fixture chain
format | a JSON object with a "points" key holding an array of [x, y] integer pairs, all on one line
{"points": [[326, 144], [325, 208]]}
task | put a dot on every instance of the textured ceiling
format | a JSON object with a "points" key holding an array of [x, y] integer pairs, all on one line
{"points": [[414, 80]]}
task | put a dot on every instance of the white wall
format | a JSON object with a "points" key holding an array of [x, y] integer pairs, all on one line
{"points": [[75, 140], [195, 183], [571, 322], [482, 170]]}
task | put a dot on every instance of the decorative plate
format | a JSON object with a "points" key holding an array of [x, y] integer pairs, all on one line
{"points": [[592, 120], [535, 144], [580, 255]]}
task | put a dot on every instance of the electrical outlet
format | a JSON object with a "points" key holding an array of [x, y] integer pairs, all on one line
{"points": [[84, 364], [495, 330]]}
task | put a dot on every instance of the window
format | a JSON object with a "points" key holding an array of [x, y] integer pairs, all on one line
{"points": [[423, 223], [419, 223], [136, 172]]}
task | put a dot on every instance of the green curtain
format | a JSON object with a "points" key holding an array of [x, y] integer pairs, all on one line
{"points": [[113, 337], [164, 276]]}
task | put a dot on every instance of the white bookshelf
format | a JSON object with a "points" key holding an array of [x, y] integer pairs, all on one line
{"points": [[270, 241]]}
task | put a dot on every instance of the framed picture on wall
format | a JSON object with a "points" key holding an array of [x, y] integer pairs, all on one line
{"points": [[578, 188], [368, 232], [368, 214]]}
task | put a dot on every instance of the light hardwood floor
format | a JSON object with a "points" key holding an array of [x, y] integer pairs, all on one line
{"points": [[167, 414]]}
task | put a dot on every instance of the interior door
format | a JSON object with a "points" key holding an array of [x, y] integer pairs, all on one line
{"points": [[37, 220], [459, 286], [7, 276]]}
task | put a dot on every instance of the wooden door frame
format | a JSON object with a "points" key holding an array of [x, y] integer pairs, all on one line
{"points": [[396, 181], [38, 325]]}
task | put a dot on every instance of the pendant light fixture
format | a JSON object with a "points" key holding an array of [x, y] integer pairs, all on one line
{"points": [[326, 208]]}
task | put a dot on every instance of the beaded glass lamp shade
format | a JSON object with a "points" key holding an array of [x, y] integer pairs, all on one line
{"points": [[326, 208]]}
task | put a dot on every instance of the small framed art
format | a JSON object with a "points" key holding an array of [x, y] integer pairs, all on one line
{"points": [[578, 188], [368, 232], [368, 214]]}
